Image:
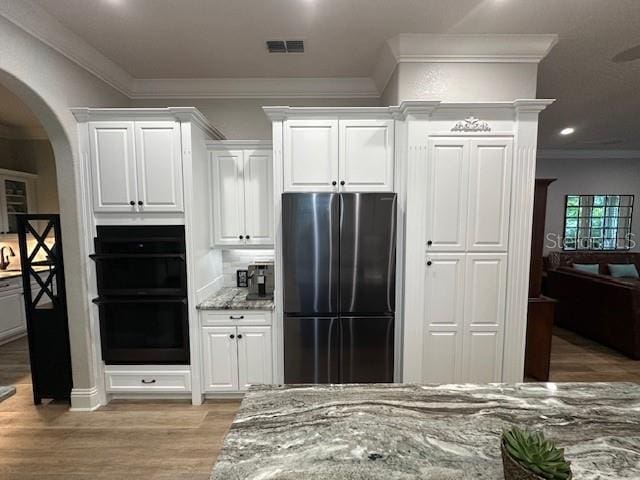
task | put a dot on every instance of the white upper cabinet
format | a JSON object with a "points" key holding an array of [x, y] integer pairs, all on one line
{"points": [[242, 197], [136, 166], [228, 197], [310, 155], [489, 194], [113, 168], [258, 197], [366, 155], [447, 195], [330, 155], [159, 163]]}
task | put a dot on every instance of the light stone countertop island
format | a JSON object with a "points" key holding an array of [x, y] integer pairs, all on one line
{"points": [[402, 432]]}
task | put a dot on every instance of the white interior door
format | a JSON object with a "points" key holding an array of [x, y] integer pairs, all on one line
{"points": [[489, 194], [447, 194], [254, 356], [220, 354], [485, 299], [444, 317], [228, 197], [310, 155], [366, 155], [113, 169], [159, 166], [258, 197]]}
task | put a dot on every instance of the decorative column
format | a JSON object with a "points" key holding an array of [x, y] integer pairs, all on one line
{"points": [[520, 225]]}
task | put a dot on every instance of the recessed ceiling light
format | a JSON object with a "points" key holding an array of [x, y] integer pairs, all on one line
{"points": [[567, 131]]}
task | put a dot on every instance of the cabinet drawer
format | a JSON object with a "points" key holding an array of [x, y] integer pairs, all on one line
{"points": [[236, 317], [147, 381], [10, 284]]}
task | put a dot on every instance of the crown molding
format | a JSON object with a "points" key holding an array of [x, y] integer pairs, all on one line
{"points": [[181, 114], [343, 87], [37, 22], [451, 48], [580, 154]]}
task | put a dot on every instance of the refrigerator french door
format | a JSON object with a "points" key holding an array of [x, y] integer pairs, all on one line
{"points": [[339, 286]]}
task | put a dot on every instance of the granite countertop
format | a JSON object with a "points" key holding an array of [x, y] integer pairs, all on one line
{"points": [[232, 298], [402, 432], [7, 274]]}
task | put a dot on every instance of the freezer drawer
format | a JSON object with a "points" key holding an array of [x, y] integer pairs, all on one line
{"points": [[311, 350], [366, 354]]}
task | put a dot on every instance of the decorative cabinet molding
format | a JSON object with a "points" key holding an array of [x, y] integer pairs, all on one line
{"points": [[471, 124], [136, 166], [242, 191]]}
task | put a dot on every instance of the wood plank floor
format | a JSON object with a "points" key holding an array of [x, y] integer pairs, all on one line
{"points": [[124, 440], [174, 440], [577, 359]]}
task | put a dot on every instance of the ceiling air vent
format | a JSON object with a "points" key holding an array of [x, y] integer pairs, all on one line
{"points": [[276, 46], [290, 46], [295, 46]]}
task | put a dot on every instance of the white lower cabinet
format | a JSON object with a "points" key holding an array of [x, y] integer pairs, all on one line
{"points": [[13, 321], [236, 355]]}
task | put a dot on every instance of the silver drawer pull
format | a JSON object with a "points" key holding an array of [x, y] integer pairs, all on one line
{"points": [[233, 317], [5, 285], [148, 381]]}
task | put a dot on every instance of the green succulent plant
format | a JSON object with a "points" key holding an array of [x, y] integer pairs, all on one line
{"points": [[536, 454]]}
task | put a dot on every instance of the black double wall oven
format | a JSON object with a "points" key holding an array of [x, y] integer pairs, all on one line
{"points": [[142, 294]]}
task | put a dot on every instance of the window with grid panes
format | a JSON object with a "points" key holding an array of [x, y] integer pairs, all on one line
{"points": [[598, 222]]}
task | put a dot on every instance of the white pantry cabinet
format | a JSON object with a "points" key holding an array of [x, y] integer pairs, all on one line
{"points": [[236, 355], [136, 166], [330, 155], [13, 322], [242, 190], [466, 226]]}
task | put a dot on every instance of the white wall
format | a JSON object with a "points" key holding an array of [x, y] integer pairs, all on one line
{"points": [[243, 119], [34, 156], [461, 82], [588, 176], [50, 84]]}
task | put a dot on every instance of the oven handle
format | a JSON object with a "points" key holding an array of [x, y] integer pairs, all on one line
{"points": [[110, 256], [107, 301]]}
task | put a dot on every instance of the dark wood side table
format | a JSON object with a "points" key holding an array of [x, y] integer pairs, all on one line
{"points": [[539, 332]]}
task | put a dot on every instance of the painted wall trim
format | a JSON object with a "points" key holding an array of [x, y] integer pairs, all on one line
{"points": [[84, 399]]}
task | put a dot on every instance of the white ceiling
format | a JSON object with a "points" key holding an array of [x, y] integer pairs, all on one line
{"points": [[225, 38]]}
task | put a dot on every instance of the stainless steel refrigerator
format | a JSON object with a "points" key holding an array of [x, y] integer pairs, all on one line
{"points": [[339, 252]]}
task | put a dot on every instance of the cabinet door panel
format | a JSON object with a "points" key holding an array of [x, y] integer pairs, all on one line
{"points": [[113, 169], [228, 197], [485, 299], [310, 155], [443, 314], [12, 315], [258, 195], [220, 359], [489, 194], [366, 155], [159, 163], [447, 193], [254, 356]]}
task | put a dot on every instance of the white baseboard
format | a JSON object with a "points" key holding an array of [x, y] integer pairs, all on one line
{"points": [[209, 289], [85, 399]]}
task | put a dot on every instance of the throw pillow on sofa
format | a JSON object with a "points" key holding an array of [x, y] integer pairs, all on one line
{"points": [[623, 270], [587, 267]]}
